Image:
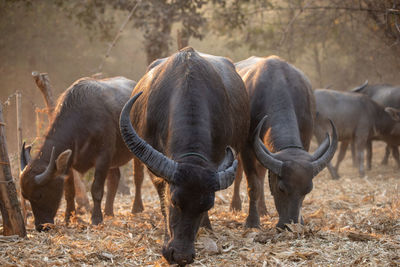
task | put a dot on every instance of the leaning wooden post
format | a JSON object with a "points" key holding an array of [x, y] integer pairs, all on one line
{"points": [[19, 138], [43, 83], [13, 222]]}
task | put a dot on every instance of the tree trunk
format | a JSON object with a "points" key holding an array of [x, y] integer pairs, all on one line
{"points": [[13, 221], [182, 39]]}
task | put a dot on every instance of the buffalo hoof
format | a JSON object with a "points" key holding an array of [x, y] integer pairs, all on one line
{"points": [[384, 162], [137, 207], [236, 204], [336, 177], [108, 212], [252, 222], [96, 220], [262, 209]]}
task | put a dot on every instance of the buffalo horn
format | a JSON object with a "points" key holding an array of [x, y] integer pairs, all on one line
{"points": [[359, 88], [263, 155], [227, 169], [320, 163], [321, 149], [45, 176], [25, 156], [159, 164]]}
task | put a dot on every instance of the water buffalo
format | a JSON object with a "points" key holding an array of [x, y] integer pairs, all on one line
{"points": [[357, 118], [282, 109], [84, 134], [388, 96], [187, 111]]}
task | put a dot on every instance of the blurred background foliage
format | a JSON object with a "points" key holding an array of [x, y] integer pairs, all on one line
{"points": [[337, 43]]}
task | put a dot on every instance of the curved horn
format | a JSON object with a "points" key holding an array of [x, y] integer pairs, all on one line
{"points": [[321, 149], [322, 161], [25, 156], [264, 156], [228, 159], [227, 175], [159, 164], [359, 88], [45, 176]]}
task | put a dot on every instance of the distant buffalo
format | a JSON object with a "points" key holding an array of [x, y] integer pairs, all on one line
{"points": [[189, 111], [388, 96], [282, 117], [357, 119], [84, 134]]}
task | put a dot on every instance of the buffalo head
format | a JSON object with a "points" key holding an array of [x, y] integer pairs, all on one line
{"points": [[191, 189], [291, 173], [42, 183]]}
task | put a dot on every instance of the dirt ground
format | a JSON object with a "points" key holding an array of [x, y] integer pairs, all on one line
{"points": [[351, 221]]}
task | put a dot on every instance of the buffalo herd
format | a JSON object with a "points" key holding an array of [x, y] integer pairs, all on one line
{"points": [[197, 121]]}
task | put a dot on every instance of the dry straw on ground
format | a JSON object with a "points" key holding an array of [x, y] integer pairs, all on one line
{"points": [[350, 222]]}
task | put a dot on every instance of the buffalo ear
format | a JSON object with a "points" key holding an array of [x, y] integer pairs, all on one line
{"points": [[393, 112], [62, 161], [25, 156]]}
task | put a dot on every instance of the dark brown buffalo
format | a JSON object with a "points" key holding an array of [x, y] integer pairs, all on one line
{"points": [[84, 134], [282, 109], [357, 119], [387, 96], [186, 111]]}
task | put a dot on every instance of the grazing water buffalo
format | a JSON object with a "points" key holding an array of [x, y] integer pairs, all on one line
{"points": [[84, 134], [357, 118], [187, 111], [282, 109], [387, 96]]}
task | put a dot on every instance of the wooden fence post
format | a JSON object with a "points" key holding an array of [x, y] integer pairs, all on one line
{"points": [[19, 138], [13, 221]]}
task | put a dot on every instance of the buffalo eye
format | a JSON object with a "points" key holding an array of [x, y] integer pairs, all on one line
{"points": [[281, 187], [174, 201]]}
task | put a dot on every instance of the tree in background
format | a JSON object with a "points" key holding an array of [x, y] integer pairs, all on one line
{"points": [[346, 41]]}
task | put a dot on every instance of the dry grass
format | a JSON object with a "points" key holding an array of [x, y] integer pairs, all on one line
{"points": [[352, 221]]}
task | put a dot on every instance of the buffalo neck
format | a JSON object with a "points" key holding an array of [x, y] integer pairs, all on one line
{"points": [[282, 127], [190, 126], [59, 137]]}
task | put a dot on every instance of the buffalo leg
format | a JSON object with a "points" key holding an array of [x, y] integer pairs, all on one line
{"points": [[81, 198], [97, 190], [369, 154], [160, 186], [342, 153], [253, 187], [262, 209], [395, 152], [138, 175], [236, 203], [205, 221], [354, 155], [332, 171], [69, 195], [123, 188], [360, 158], [386, 156], [112, 187]]}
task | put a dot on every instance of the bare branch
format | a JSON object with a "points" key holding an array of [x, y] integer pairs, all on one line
{"points": [[113, 43], [291, 23]]}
